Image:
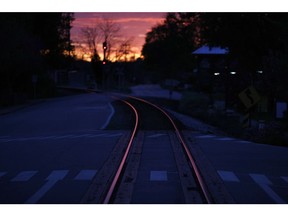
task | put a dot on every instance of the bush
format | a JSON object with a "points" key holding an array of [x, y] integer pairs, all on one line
{"points": [[273, 133], [197, 104], [194, 103]]}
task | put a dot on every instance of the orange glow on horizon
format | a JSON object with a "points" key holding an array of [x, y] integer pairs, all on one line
{"points": [[86, 56]]}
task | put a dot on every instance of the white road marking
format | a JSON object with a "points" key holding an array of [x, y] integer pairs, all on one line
{"points": [[82, 135], [114, 135], [228, 176], [109, 117], [225, 139], [24, 176], [260, 179], [100, 107], [47, 137], [285, 178], [70, 136], [264, 183], [97, 135], [28, 138], [52, 179], [65, 136], [92, 107], [86, 175], [156, 135], [89, 131], [243, 141], [205, 136], [158, 176]]}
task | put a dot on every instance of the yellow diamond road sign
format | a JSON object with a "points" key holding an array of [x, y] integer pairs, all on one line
{"points": [[249, 97]]}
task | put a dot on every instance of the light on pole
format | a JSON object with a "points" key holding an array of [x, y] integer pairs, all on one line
{"points": [[104, 51]]}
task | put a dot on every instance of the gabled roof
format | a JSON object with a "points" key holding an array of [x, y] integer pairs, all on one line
{"points": [[206, 50]]}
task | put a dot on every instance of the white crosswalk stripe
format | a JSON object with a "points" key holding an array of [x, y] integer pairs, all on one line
{"points": [[51, 180], [24, 176], [86, 175], [285, 178], [261, 180], [265, 183], [228, 176], [158, 176]]}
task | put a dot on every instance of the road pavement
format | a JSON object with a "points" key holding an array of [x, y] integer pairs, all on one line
{"points": [[253, 173], [51, 151]]}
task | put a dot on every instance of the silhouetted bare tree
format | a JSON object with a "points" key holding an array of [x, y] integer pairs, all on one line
{"points": [[91, 36], [102, 30], [110, 31], [124, 49]]}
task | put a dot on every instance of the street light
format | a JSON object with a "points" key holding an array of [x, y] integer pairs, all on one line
{"points": [[104, 45]]}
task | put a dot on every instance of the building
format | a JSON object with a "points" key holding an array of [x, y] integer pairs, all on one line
{"points": [[215, 72]]}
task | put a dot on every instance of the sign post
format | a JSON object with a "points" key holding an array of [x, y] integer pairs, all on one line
{"points": [[249, 98]]}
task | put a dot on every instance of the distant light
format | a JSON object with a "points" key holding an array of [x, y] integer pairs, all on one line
{"points": [[216, 74], [104, 62], [260, 71], [233, 72]]}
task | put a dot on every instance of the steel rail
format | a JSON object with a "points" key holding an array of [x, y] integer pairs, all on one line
{"points": [[191, 159], [120, 168]]}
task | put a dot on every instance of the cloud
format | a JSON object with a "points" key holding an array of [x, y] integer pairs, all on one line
{"points": [[142, 35], [133, 25], [90, 21]]}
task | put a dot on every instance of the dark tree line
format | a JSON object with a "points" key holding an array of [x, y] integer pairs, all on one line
{"points": [[31, 44], [257, 41], [169, 45]]}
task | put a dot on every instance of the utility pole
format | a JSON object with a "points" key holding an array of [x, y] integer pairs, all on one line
{"points": [[106, 76], [104, 51]]}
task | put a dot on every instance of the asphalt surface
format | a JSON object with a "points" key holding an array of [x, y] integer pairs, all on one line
{"points": [[253, 173], [51, 151], [46, 148]]}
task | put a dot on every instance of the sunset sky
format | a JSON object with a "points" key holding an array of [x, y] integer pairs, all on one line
{"points": [[132, 25], [135, 17]]}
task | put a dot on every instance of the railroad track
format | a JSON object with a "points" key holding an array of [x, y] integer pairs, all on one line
{"points": [[145, 159]]}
